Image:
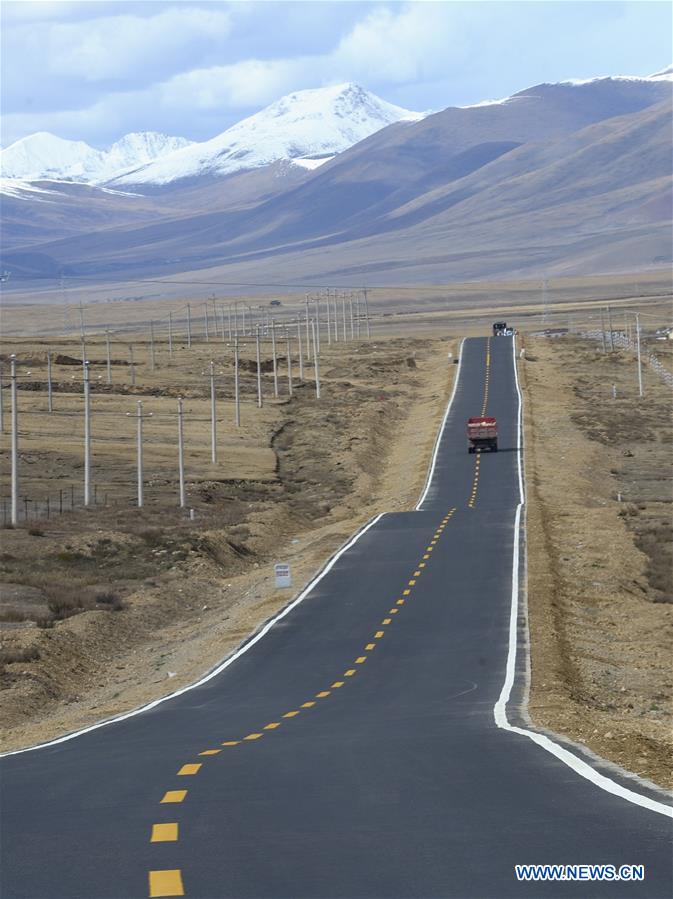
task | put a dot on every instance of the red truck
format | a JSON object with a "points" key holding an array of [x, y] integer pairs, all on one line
{"points": [[482, 434]]}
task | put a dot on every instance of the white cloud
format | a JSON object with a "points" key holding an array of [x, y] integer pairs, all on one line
{"points": [[407, 43], [120, 46], [252, 82]]}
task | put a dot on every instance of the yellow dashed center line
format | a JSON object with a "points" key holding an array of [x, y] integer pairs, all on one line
{"points": [[174, 796], [166, 883], [164, 833], [169, 882]]}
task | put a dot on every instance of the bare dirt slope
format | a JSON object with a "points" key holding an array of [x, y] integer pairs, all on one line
{"points": [[191, 591], [599, 587]]}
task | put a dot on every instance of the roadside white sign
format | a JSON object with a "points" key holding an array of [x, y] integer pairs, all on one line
{"points": [[283, 575]]}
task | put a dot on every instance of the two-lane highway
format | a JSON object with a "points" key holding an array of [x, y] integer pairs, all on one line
{"points": [[352, 751]]}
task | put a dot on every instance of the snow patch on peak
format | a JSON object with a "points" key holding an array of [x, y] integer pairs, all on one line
{"points": [[310, 124], [44, 156]]}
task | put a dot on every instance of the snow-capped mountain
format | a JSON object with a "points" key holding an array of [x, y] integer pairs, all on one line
{"points": [[44, 156], [305, 125]]}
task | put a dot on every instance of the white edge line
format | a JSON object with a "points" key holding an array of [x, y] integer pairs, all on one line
{"points": [[500, 709], [440, 433], [219, 668]]}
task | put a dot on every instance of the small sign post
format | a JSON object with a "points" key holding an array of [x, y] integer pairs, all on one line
{"points": [[283, 576]]}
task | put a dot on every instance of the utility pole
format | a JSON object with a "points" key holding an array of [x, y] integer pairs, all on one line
{"points": [[259, 370], [213, 416], [329, 327], [289, 363], [350, 305], [308, 333], [343, 313], [170, 335], [273, 353], [367, 314], [139, 449], [224, 327], [205, 321], [243, 314], [301, 354], [612, 336], [87, 435], [189, 325], [181, 454], [81, 331], [229, 319], [152, 360], [15, 444], [640, 370], [316, 335], [108, 357], [316, 363], [237, 392], [357, 314], [605, 346], [336, 317]]}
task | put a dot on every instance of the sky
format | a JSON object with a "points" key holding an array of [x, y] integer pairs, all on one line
{"points": [[95, 71]]}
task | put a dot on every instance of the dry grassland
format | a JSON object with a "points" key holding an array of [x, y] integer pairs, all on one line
{"points": [[599, 550]]}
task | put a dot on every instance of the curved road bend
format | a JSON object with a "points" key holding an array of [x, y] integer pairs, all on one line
{"points": [[352, 751]]}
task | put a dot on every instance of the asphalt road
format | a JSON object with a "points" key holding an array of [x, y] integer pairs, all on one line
{"points": [[352, 750]]}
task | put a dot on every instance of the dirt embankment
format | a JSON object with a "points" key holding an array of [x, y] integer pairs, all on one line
{"points": [[159, 599], [599, 546]]}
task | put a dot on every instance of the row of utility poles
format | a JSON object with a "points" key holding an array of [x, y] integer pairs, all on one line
{"points": [[609, 335], [308, 352], [338, 316]]}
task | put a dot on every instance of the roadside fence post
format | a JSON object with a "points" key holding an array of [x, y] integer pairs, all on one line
{"points": [[301, 352], [275, 361], [316, 363], [87, 435], [289, 364], [181, 454], [213, 416], [15, 445], [237, 385]]}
